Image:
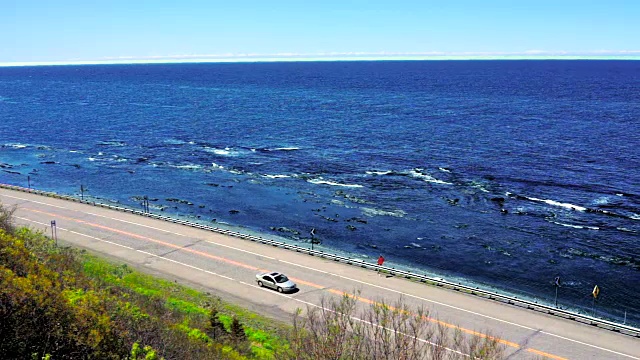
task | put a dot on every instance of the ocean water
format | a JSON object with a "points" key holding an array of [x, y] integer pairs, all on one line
{"points": [[503, 174]]}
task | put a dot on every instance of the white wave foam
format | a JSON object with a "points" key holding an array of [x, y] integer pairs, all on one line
{"points": [[320, 181], [112, 143], [16, 145], [557, 203], [444, 169], [188, 167], [216, 166], [174, 142], [222, 152], [603, 200], [284, 149], [577, 226], [378, 212], [417, 173], [277, 176], [479, 186], [380, 172], [634, 216]]}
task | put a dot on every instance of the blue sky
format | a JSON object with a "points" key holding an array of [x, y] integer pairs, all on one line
{"points": [[119, 30]]}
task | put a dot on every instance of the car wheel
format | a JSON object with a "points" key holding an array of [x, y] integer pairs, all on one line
{"points": [[279, 289], [260, 283]]}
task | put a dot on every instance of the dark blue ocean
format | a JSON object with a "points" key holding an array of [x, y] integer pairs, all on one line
{"points": [[503, 174]]}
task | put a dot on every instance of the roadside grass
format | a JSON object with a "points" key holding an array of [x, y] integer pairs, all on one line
{"points": [[265, 335]]}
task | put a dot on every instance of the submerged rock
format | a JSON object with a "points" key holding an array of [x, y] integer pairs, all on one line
{"points": [[179, 201], [285, 230]]}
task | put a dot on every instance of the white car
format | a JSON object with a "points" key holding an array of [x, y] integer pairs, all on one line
{"points": [[275, 281]]}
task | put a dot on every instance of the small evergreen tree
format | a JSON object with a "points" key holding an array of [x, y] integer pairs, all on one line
{"points": [[239, 338], [237, 331], [216, 329]]}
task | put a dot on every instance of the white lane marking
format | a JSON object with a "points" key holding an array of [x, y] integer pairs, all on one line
{"points": [[463, 310], [407, 294], [337, 275], [143, 225], [77, 233], [187, 265], [179, 234], [254, 286], [593, 346], [34, 201]]}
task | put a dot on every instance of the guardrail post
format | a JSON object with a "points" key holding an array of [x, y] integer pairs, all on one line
{"points": [[54, 231]]}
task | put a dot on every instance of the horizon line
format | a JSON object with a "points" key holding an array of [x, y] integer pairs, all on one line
{"points": [[227, 58]]}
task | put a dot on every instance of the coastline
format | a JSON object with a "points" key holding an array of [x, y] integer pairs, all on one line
{"points": [[392, 268]]}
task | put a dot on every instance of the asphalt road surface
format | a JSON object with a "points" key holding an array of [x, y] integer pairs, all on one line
{"points": [[226, 266]]}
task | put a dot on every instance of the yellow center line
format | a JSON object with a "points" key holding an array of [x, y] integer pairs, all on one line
{"points": [[300, 281]]}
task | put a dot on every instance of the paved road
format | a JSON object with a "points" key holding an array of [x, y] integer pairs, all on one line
{"points": [[226, 266]]}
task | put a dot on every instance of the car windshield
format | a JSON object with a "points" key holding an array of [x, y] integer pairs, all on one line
{"points": [[281, 278]]}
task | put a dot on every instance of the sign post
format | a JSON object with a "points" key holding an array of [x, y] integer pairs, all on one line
{"points": [[557, 285], [313, 237]]}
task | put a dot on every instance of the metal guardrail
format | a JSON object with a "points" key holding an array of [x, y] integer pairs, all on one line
{"points": [[512, 300]]}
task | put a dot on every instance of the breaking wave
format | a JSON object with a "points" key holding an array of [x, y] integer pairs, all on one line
{"points": [[222, 152], [112, 143], [192, 167], [277, 176], [15, 145], [381, 172], [576, 226], [292, 148], [320, 181], [419, 174]]}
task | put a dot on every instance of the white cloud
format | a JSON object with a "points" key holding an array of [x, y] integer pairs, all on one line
{"points": [[383, 55]]}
